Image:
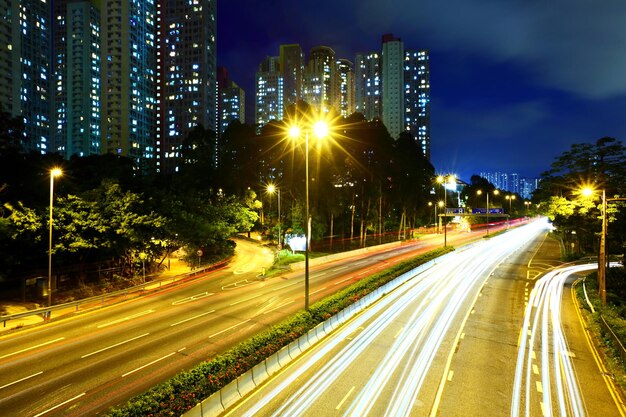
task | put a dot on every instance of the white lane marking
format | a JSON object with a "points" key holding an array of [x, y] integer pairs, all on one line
{"points": [[59, 405], [134, 316], [32, 347], [229, 328], [280, 306], [344, 398], [320, 290], [288, 285], [339, 268], [343, 280], [450, 375], [115, 345], [192, 298], [247, 299], [153, 362], [192, 318], [20, 380], [318, 275]]}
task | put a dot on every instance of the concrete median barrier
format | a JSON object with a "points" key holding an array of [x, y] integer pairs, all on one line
{"points": [[245, 383], [212, 406], [283, 356], [294, 349], [272, 365], [229, 394], [259, 373]]}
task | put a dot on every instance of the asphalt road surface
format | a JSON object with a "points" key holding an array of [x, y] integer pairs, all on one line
{"points": [[445, 343], [102, 357]]}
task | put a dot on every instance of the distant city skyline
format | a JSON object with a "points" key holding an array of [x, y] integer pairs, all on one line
{"points": [[514, 85]]}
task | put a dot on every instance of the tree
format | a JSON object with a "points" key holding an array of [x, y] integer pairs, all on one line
{"points": [[601, 165]]}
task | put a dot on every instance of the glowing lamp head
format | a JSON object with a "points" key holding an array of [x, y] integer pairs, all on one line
{"points": [[320, 129], [294, 131], [479, 192], [56, 172], [271, 188], [587, 192]]}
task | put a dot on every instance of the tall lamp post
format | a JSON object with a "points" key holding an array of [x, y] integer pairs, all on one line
{"points": [[510, 198], [273, 189], [495, 192], [55, 172], [320, 130], [445, 180], [602, 255]]}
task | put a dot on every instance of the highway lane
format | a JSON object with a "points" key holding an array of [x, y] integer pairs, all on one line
{"points": [[100, 358], [388, 361], [546, 380]]}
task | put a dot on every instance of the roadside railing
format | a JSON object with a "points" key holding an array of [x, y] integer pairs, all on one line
{"points": [[617, 344], [46, 312]]}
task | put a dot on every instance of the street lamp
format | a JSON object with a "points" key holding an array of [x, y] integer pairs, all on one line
{"points": [[447, 180], [55, 172], [320, 130], [271, 188], [495, 192], [602, 255], [510, 198], [527, 203], [437, 204]]}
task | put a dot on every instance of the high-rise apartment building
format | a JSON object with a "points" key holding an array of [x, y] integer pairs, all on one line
{"points": [[269, 104], [129, 80], [232, 100], [291, 64], [345, 76], [368, 85], [320, 80], [392, 69], [187, 75], [77, 103], [417, 97], [26, 70]]}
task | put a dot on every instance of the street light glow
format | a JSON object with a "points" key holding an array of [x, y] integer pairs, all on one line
{"points": [[320, 128], [587, 192], [294, 131]]}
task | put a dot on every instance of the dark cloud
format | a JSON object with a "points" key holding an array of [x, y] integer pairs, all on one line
{"points": [[514, 82]]}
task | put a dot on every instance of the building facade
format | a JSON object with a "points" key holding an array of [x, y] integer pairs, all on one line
{"points": [[368, 85], [392, 69], [27, 74], [291, 66], [232, 100], [417, 97], [269, 103], [76, 61], [187, 92], [345, 75], [321, 88]]}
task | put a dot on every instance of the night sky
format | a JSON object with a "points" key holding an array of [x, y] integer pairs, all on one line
{"points": [[513, 82]]}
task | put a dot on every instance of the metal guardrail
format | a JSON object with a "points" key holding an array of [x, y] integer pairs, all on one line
{"points": [[46, 312], [617, 343]]}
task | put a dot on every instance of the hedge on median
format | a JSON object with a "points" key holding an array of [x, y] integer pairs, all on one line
{"points": [[185, 390]]}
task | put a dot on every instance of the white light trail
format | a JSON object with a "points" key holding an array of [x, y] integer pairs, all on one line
{"points": [[542, 330], [429, 305]]}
